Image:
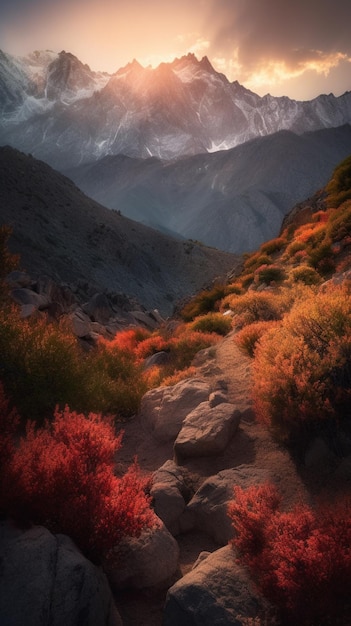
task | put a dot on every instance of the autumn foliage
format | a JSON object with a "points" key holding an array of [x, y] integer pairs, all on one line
{"points": [[62, 476], [300, 559], [302, 371]]}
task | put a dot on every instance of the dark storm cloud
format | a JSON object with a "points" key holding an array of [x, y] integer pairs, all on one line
{"points": [[289, 31]]}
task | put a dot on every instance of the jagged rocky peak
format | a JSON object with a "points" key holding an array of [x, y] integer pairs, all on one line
{"points": [[66, 72], [133, 66]]}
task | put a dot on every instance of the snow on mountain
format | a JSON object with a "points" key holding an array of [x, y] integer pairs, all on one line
{"points": [[56, 108], [32, 85]]}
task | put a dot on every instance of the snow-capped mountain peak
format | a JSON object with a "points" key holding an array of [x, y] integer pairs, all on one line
{"points": [[57, 108]]}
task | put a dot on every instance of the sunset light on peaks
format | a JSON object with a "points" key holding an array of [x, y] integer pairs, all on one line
{"points": [[299, 49]]}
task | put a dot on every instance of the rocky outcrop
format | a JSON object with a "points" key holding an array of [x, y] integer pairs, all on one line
{"points": [[88, 318], [216, 591], [147, 561], [164, 409], [170, 492], [207, 510], [46, 581], [207, 430]]}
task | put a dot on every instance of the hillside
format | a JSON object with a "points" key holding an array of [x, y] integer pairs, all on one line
{"points": [[61, 233], [232, 199]]}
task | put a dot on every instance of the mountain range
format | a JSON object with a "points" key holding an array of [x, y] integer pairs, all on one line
{"points": [[179, 147], [233, 199], [55, 107]]}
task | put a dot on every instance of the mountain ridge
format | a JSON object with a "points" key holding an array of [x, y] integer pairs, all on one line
{"points": [[181, 108], [232, 199], [61, 233]]}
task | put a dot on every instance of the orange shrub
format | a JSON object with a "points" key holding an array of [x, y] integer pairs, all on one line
{"points": [[300, 560], [273, 245], [62, 476], [151, 345], [186, 346], [301, 371], [254, 306], [248, 336]]}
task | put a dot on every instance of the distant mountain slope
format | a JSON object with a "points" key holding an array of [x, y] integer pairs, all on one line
{"points": [[56, 108], [61, 233], [233, 199]]}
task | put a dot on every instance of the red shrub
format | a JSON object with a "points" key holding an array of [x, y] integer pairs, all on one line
{"points": [[62, 476], [127, 340], [151, 345], [301, 560]]}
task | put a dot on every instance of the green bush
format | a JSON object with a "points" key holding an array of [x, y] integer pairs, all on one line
{"points": [[212, 323], [42, 365], [339, 188], [340, 223], [204, 302], [305, 274], [269, 274], [272, 246]]}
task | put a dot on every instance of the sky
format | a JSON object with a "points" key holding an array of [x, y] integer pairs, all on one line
{"points": [[297, 48]]}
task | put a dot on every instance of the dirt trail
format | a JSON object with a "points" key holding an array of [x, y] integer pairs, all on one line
{"points": [[251, 445]]}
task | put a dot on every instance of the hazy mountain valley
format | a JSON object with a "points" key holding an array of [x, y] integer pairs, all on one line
{"points": [[197, 299]]}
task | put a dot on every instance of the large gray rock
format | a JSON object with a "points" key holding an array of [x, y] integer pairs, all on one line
{"points": [[216, 592], [163, 409], [207, 510], [170, 494], [98, 308], [24, 296], [81, 324], [207, 430], [46, 581], [150, 560]]}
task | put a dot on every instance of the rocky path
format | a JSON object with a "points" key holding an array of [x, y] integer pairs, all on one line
{"points": [[252, 445]]}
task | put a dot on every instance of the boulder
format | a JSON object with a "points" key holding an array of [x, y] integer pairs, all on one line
{"points": [[207, 510], [150, 560], [81, 324], [99, 309], [216, 591], [217, 397], [170, 494], [159, 358], [207, 430], [146, 318], [163, 409], [56, 293], [23, 296], [46, 581]]}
